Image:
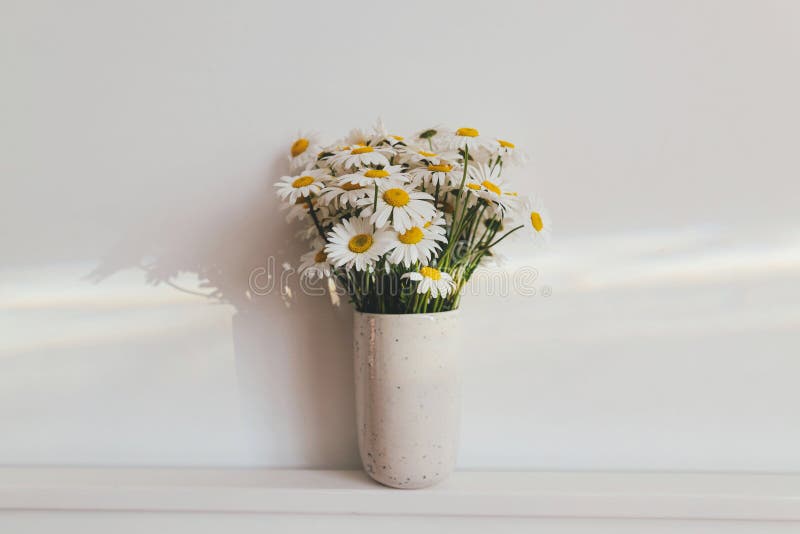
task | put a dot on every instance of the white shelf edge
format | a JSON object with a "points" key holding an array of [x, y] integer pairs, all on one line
{"points": [[770, 497]]}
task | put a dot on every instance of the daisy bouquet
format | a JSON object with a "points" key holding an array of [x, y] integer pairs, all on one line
{"points": [[402, 223]]}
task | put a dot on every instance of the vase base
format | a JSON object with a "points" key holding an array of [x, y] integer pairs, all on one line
{"points": [[400, 482]]}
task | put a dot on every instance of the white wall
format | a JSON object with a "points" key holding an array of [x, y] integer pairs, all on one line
{"points": [[664, 137]]}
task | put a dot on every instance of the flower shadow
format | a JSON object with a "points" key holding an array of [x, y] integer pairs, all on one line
{"points": [[295, 382]]}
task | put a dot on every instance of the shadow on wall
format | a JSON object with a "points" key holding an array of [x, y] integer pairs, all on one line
{"points": [[293, 354]]}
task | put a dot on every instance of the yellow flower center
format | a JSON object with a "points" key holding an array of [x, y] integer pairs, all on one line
{"points": [[360, 243], [413, 236], [536, 221], [299, 146], [467, 132], [440, 168], [350, 186], [362, 150], [376, 173], [320, 257], [430, 272], [398, 137], [427, 154], [303, 181], [491, 187], [427, 224], [506, 144], [396, 197], [474, 187]]}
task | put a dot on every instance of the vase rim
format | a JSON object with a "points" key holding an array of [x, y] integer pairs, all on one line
{"points": [[410, 315]]}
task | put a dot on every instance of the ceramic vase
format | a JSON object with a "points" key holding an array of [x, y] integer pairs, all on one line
{"points": [[408, 396]]}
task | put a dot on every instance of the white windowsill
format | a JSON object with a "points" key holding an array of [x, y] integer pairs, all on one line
{"points": [[509, 494]]}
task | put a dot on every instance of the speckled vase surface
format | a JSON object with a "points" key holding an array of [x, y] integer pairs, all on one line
{"points": [[408, 396]]}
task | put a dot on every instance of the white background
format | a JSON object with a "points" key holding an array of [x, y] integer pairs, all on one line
{"points": [[664, 138]]}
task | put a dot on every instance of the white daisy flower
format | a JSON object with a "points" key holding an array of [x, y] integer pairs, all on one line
{"points": [[370, 177], [433, 280], [417, 244], [468, 138], [440, 172], [485, 182], [536, 219], [310, 182], [437, 225], [344, 193], [405, 206], [360, 156], [355, 243], [479, 172], [421, 154], [327, 153], [382, 136], [304, 150], [396, 141], [314, 264], [357, 136], [510, 153]]}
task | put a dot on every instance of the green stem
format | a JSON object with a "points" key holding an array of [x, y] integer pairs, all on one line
{"points": [[461, 185], [455, 226], [313, 214], [490, 245], [475, 223]]}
